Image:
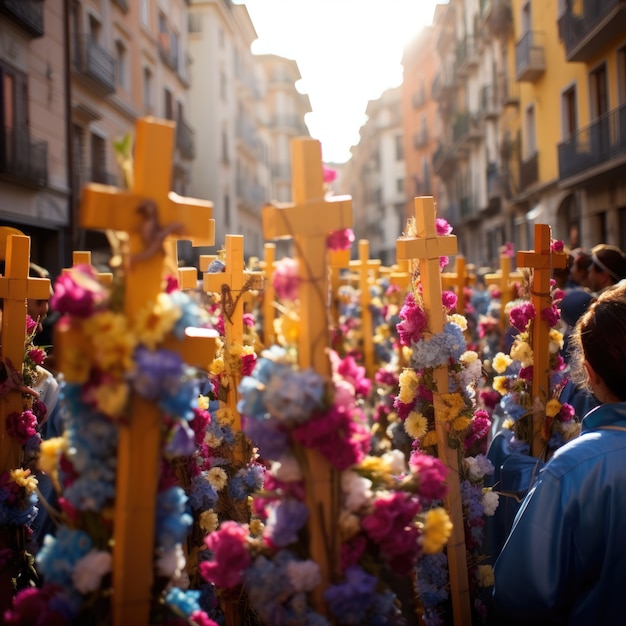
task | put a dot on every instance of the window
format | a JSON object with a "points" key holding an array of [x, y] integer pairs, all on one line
{"points": [[224, 147], [98, 159], [122, 59], [400, 185], [144, 13], [529, 131], [223, 86], [399, 148], [14, 90], [569, 115], [599, 92], [169, 104], [147, 89]]}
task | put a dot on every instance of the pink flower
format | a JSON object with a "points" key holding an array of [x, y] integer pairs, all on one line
{"points": [[526, 373], [557, 245], [286, 279], [230, 555], [443, 228], [171, 283], [567, 412], [201, 619], [37, 355], [329, 174], [449, 299], [352, 551], [22, 426], [248, 362], [414, 322], [551, 315], [77, 292], [479, 429], [355, 374], [432, 474], [248, 320], [31, 324], [521, 314], [340, 239], [507, 250]]}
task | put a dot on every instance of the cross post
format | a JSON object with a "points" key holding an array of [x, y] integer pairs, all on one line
{"points": [[427, 247], [458, 280], [83, 257], [367, 269], [15, 288], [269, 293], [151, 214], [542, 260], [505, 280], [308, 220]]}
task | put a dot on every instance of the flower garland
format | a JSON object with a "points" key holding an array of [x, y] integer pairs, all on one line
{"points": [[467, 428], [112, 360]]}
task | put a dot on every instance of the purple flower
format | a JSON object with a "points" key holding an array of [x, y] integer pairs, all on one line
{"points": [[285, 518]]}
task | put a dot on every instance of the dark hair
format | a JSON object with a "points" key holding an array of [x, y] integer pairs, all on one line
{"points": [[600, 338], [609, 259]]}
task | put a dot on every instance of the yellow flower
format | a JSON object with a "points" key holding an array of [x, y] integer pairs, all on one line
{"points": [[484, 576], [23, 478], [225, 416], [500, 362], [415, 425], [522, 352], [508, 424], [553, 407], [49, 452], [76, 365], [256, 527], [287, 327], [461, 423], [500, 384], [155, 320], [453, 403], [111, 398], [459, 320], [208, 521], [217, 478], [203, 402], [217, 366], [437, 530], [374, 464], [430, 439], [113, 340], [556, 341], [409, 383], [469, 356], [213, 441]]}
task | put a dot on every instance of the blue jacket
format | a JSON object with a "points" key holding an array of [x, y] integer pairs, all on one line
{"points": [[564, 561]]}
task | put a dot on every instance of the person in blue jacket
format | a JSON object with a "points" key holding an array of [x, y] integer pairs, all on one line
{"points": [[564, 561]]}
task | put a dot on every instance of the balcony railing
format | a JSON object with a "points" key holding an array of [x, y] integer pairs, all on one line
{"points": [[444, 161], [496, 16], [420, 138], [466, 54], [466, 127], [444, 83], [185, 139], [100, 175], [508, 90], [489, 101], [597, 144], [27, 14], [530, 58], [95, 63], [529, 172], [23, 158], [585, 34]]}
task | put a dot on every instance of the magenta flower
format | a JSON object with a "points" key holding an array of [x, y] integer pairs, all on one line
{"points": [[230, 555], [354, 373], [31, 324], [551, 315], [414, 322], [557, 245], [507, 250], [449, 299], [22, 426], [286, 279], [248, 320], [567, 412], [352, 551], [77, 292], [37, 355], [432, 474], [521, 314], [443, 228], [329, 174], [340, 239], [479, 429], [248, 361]]}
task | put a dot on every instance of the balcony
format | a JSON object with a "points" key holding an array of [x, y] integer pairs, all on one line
{"points": [[23, 159], [508, 90], [530, 58], [466, 55], [595, 148], [489, 101], [468, 209], [94, 63], [465, 128], [27, 14], [444, 83], [495, 189], [419, 98], [444, 161], [185, 139], [496, 16], [100, 175], [529, 172], [420, 139], [586, 34]]}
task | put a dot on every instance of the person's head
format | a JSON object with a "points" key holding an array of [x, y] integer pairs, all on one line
{"points": [[561, 275], [598, 347], [38, 309], [607, 266], [580, 267]]}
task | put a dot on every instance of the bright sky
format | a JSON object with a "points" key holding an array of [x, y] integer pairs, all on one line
{"points": [[348, 52]]}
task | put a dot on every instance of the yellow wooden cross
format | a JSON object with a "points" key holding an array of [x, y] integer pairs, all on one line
{"points": [[506, 281], [15, 288], [400, 276], [337, 260], [427, 246], [542, 260], [150, 213], [83, 257], [269, 294], [458, 280], [308, 220], [368, 273]]}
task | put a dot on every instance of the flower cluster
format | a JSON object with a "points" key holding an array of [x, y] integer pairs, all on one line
{"points": [[108, 359]]}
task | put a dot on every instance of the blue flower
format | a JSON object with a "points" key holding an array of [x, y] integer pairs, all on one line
{"points": [[59, 554], [351, 600], [157, 372], [185, 601], [202, 495], [284, 520]]}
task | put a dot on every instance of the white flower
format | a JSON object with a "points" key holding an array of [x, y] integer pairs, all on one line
{"points": [[477, 466], [490, 502], [396, 462], [89, 570], [172, 562], [356, 490], [217, 478], [287, 469], [303, 575]]}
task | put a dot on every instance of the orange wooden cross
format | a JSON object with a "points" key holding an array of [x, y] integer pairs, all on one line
{"points": [[150, 213], [458, 280], [15, 288], [542, 260], [337, 260], [309, 220], [400, 275], [269, 294], [427, 247], [83, 257], [368, 273], [506, 281]]}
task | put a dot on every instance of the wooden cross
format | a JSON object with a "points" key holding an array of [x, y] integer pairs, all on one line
{"points": [[337, 260], [367, 269], [269, 294], [505, 280], [83, 257], [149, 213], [542, 260], [309, 220], [400, 275], [15, 288], [427, 246], [458, 280]]}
